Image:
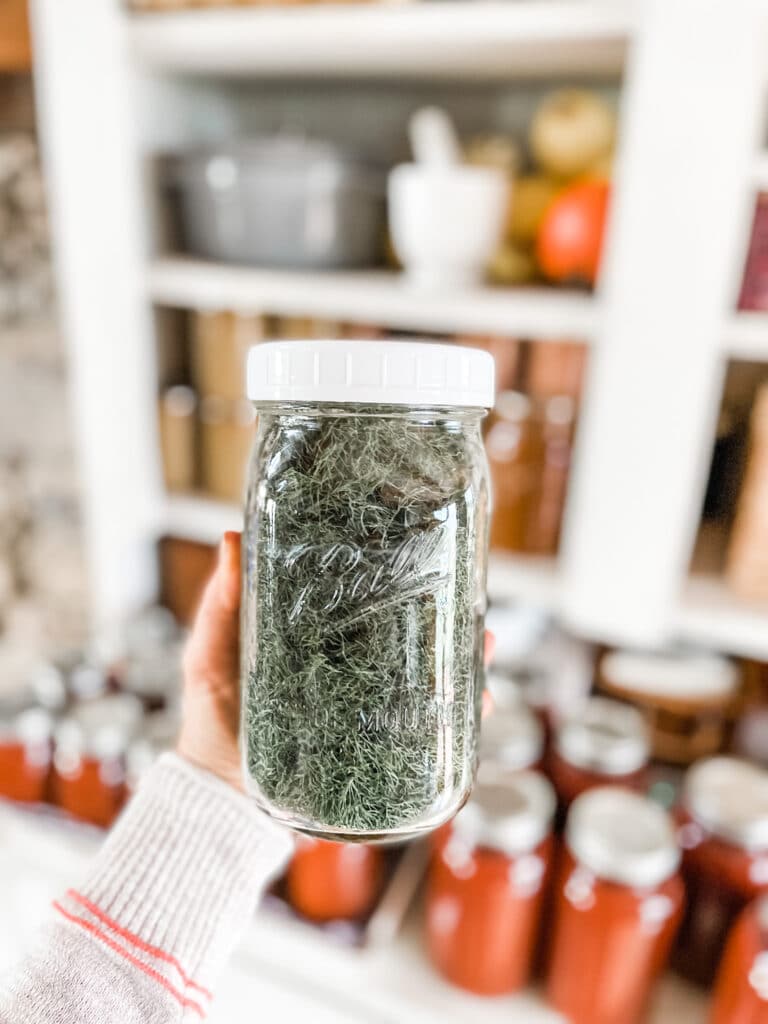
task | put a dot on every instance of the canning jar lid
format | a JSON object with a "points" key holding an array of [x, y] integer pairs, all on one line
{"points": [[604, 736], [371, 372], [512, 737], [622, 837], [22, 722], [509, 811], [679, 675], [729, 798], [99, 728]]}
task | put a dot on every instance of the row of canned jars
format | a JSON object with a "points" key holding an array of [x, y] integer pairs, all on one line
{"points": [[85, 761], [560, 859]]}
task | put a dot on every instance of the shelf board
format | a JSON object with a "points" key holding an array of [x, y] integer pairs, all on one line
{"points": [[708, 615], [378, 297], [530, 578], [712, 616], [420, 40], [195, 517], [510, 578], [746, 336]]}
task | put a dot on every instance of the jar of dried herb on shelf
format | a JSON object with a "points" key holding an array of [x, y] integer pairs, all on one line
{"points": [[364, 584]]}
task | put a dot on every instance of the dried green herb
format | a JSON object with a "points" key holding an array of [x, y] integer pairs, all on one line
{"points": [[362, 622]]}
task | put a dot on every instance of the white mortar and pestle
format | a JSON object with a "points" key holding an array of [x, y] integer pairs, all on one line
{"points": [[445, 217]]}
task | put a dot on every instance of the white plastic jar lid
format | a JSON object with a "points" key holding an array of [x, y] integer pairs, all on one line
{"points": [[510, 811], [622, 837], [371, 372], [604, 736], [729, 797], [512, 737], [676, 674]]}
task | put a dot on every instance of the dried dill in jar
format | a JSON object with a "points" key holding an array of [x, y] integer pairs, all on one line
{"points": [[364, 584]]}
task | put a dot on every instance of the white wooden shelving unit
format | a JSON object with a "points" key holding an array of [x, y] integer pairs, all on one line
{"points": [[660, 329]]}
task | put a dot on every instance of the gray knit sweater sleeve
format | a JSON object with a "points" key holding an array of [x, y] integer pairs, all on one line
{"points": [[142, 940]]}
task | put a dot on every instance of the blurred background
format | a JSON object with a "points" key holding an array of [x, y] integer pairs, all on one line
{"points": [[585, 195]]}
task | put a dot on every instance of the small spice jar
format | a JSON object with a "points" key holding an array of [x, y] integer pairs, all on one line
{"points": [[364, 561], [686, 698], [90, 745], [512, 738], [487, 882], [557, 417], [603, 742], [516, 457], [741, 989], [724, 835], [25, 751], [619, 900], [334, 881]]}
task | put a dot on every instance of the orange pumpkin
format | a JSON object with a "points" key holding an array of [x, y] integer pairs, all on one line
{"points": [[570, 239]]}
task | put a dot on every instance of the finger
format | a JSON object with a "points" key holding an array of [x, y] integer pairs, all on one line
{"points": [[488, 704], [490, 647], [212, 654]]}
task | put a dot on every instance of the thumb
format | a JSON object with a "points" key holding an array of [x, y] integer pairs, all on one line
{"points": [[213, 650]]}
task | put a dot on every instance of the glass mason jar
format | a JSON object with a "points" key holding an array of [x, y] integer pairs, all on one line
{"points": [[487, 880], [512, 738], [604, 742], [334, 881], [25, 751], [619, 900], [741, 990], [364, 584], [724, 835]]}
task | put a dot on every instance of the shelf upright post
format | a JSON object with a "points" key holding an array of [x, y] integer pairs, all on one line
{"points": [[689, 128], [85, 93]]}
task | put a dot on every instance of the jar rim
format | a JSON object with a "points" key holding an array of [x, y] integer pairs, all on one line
{"points": [[728, 797], [604, 736], [622, 837], [512, 737], [510, 811], [365, 372]]}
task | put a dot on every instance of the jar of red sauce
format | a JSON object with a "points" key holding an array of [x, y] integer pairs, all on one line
{"points": [[88, 778], [487, 881], [619, 900], [329, 881], [602, 742], [513, 738], [741, 990], [25, 752], [724, 835]]}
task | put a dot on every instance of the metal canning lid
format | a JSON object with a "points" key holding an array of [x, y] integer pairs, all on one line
{"points": [[22, 722], [371, 372], [99, 728], [509, 811], [604, 736], [622, 837], [34, 726], [513, 738], [729, 798], [679, 675]]}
